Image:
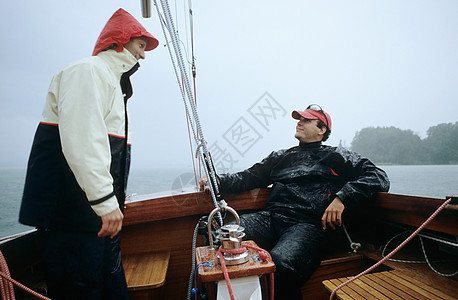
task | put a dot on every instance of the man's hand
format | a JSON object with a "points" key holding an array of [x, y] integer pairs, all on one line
{"points": [[333, 214], [112, 224], [203, 183]]}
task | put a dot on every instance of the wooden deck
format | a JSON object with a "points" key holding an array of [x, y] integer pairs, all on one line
{"points": [[385, 285]]}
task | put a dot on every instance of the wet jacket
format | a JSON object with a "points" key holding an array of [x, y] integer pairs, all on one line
{"points": [[306, 178], [80, 156]]}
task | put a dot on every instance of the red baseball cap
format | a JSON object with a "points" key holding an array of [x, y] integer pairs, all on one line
{"points": [[313, 112], [120, 28]]}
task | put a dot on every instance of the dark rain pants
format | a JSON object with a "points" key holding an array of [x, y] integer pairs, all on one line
{"points": [[83, 266], [296, 248]]}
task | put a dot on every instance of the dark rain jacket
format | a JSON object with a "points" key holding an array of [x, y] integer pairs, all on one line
{"points": [[306, 178]]}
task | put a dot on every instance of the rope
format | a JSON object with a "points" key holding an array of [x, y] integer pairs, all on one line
{"points": [[353, 246], [193, 260], [5, 286], [431, 266], [195, 291], [427, 261], [7, 283], [263, 254], [226, 274], [395, 250], [186, 93], [264, 257]]}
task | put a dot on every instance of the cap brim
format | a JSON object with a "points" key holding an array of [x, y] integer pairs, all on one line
{"points": [[304, 114]]}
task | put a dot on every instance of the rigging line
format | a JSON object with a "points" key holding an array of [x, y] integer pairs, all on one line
{"points": [[185, 45], [175, 68], [161, 19], [188, 119], [185, 22], [192, 150], [190, 126], [195, 93], [186, 90], [186, 53], [191, 62], [193, 59], [162, 22], [176, 15], [210, 170], [191, 28], [202, 147]]}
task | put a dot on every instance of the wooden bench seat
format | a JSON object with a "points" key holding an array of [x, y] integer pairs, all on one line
{"points": [[145, 271], [384, 285]]}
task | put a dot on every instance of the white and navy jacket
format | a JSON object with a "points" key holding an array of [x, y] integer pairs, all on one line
{"points": [[80, 157]]}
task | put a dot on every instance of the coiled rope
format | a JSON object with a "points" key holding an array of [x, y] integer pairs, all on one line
{"points": [[395, 250], [6, 283]]}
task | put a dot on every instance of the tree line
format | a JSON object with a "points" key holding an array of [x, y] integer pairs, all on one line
{"points": [[391, 145]]}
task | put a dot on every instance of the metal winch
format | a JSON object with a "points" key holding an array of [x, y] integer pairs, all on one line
{"points": [[230, 236]]}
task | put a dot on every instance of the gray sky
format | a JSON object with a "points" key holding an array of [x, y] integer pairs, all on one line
{"points": [[368, 63]]}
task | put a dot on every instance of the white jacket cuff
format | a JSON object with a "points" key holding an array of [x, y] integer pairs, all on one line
{"points": [[106, 206]]}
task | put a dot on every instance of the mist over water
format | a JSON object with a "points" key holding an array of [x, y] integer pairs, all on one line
{"points": [[427, 180]]}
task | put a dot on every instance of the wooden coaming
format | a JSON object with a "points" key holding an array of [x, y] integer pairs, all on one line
{"points": [[188, 204], [403, 209], [414, 210]]}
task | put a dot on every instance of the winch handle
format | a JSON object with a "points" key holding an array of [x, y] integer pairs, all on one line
{"points": [[222, 207]]}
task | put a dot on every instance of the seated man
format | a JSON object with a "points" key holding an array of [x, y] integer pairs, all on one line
{"points": [[312, 184]]}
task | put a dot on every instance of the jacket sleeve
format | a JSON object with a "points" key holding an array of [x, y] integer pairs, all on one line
{"points": [[256, 176], [85, 98], [365, 180]]}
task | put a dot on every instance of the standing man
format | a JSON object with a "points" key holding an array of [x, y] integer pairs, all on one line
{"points": [[78, 167], [312, 184]]}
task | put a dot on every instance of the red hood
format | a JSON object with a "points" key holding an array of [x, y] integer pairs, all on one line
{"points": [[120, 28]]}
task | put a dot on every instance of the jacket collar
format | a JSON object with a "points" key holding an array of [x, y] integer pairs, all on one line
{"points": [[119, 62], [312, 145]]}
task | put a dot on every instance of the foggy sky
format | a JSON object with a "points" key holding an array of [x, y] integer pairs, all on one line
{"points": [[367, 63]]}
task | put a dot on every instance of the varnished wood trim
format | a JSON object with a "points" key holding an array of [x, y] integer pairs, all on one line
{"points": [[414, 210], [402, 209], [188, 204]]}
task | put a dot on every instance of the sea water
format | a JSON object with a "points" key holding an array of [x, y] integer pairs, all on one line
{"points": [[430, 181]]}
